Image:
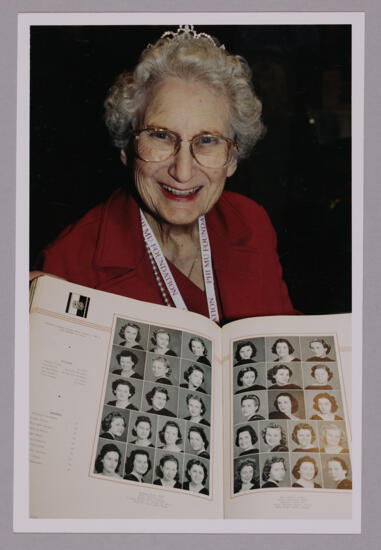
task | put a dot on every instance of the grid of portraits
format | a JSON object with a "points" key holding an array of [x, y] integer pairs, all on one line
{"points": [[288, 417], [156, 416]]}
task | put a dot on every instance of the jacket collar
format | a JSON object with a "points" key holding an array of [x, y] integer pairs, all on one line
{"points": [[120, 240]]}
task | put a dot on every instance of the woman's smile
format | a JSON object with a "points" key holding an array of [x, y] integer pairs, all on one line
{"points": [[178, 194]]}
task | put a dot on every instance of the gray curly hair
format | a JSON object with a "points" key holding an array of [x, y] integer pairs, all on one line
{"points": [[186, 57]]}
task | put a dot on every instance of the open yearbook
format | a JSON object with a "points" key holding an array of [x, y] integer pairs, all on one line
{"points": [[145, 411]]}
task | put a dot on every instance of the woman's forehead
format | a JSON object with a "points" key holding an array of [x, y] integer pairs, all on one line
{"points": [[188, 108]]}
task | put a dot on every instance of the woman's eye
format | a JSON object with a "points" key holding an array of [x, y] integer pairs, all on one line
{"points": [[207, 140], [160, 135]]}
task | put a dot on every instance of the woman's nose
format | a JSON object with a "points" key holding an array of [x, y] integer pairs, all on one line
{"points": [[182, 165]]}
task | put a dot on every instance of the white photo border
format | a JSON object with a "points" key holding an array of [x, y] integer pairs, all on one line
{"points": [[22, 521]]}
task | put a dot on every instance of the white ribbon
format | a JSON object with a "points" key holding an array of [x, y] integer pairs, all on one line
{"points": [[166, 273]]}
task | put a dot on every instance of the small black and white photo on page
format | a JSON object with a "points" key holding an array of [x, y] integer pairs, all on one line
{"points": [[168, 469], [195, 377], [114, 424], [160, 399], [196, 348], [164, 341], [275, 470], [246, 439], [250, 406], [333, 437], [196, 475], [337, 473], [282, 376], [282, 349], [130, 334], [324, 405], [249, 378], [247, 351], [318, 348], [162, 369], [304, 436], [127, 363], [288, 404], [306, 471], [198, 440], [194, 407], [171, 434], [139, 464], [273, 436], [142, 429], [246, 474], [123, 393], [320, 376], [109, 459]]}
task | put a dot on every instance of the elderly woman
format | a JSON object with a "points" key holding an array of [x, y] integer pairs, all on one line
{"points": [[127, 361], [123, 391], [142, 431], [245, 353], [247, 476], [246, 439], [194, 376], [274, 471], [130, 334], [322, 374], [320, 350], [326, 405], [246, 379], [198, 441], [114, 425], [280, 377], [171, 437], [283, 350], [198, 348], [333, 439], [157, 398], [137, 465], [108, 461], [250, 405], [305, 470], [161, 370], [196, 408], [286, 406], [196, 474], [160, 340], [167, 472], [304, 436], [274, 436], [181, 121]]}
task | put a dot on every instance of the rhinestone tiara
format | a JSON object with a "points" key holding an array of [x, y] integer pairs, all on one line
{"points": [[188, 31]]}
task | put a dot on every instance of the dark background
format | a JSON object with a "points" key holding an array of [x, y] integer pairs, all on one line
{"points": [[300, 172]]}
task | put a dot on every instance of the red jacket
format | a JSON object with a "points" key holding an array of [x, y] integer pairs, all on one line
{"points": [[105, 250]]}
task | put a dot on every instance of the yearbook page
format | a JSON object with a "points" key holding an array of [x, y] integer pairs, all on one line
{"points": [[125, 408], [288, 431]]}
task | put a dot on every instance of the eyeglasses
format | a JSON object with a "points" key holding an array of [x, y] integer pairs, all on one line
{"points": [[159, 144]]}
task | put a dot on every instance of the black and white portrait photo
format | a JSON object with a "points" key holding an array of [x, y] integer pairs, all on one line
{"points": [[130, 334]]}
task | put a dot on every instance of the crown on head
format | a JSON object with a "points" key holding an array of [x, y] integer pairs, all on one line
{"points": [[188, 31]]}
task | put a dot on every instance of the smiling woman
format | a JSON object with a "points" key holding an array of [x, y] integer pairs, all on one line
{"points": [[181, 121]]}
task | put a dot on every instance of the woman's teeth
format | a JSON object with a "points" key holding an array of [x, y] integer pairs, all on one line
{"points": [[179, 193]]}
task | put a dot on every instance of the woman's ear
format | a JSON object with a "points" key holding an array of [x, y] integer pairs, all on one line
{"points": [[232, 167], [123, 157]]}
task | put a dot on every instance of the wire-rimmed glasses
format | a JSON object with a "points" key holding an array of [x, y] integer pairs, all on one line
{"points": [[159, 144]]}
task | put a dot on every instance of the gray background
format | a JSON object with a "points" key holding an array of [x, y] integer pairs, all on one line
{"points": [[370, 539]]}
